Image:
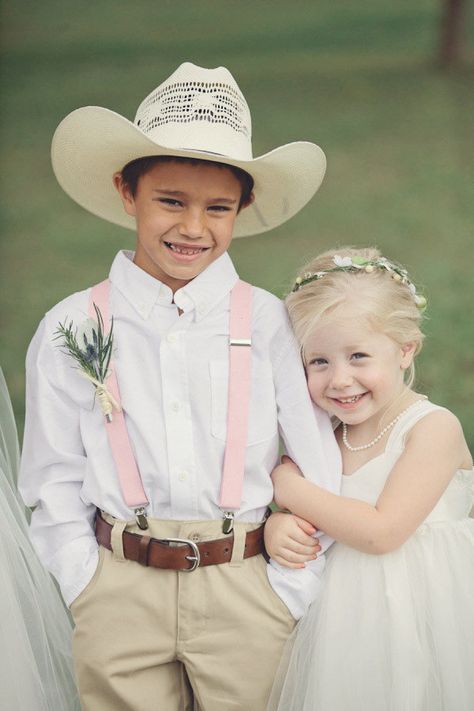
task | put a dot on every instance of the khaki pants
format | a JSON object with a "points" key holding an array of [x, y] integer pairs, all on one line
{"points": [[149, 639]]}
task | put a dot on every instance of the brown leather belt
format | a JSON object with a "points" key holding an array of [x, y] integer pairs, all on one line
{"points": [[184, 554]]}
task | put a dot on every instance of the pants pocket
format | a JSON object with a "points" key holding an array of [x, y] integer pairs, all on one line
{"points": [[92, 582]]}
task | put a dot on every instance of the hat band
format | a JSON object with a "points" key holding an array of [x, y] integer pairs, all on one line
{"points": [[213, 139]]}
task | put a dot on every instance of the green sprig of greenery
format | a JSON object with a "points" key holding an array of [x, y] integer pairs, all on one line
{"points": [[94, 357]]}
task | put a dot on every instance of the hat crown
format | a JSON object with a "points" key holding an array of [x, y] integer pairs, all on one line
{"points": [[198, 109]]}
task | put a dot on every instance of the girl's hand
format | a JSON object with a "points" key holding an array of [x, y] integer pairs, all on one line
{"points": [[282, 477], [289, 541]]}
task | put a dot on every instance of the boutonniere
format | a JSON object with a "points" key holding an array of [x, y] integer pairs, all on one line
{"points": [[91, 348]]}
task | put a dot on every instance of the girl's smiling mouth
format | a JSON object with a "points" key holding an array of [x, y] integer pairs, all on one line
{"points": [[348, 402]]}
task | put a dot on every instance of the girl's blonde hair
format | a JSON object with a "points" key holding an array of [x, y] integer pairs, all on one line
{"points": [[388, 305]]}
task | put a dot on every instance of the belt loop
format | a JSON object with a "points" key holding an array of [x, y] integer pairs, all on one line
{"points": [[116, 540], [238, 548]]}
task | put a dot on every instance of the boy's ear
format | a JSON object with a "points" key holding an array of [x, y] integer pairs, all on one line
{"points": [[407, 354], [248, 202], [126, 196]]}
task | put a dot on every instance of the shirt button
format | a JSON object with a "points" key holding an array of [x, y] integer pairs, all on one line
{"points": [[171, 337], [182, 476], [201, 307], [175, 406], [194, 537]]}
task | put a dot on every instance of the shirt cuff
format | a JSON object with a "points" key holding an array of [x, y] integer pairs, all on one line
{"points": [[297, 588], [73, 566]]}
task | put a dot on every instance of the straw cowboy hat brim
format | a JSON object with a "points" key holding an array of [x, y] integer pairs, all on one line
{"points": [[92, 143]]}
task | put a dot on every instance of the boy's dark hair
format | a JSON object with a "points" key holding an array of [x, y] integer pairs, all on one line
{"points": [[140, 166]]}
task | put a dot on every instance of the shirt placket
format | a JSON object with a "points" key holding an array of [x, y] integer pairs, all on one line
{"points": [[178, 424]]}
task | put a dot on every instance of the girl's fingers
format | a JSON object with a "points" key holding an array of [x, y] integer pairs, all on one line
{"points": [[303, 539], [292, 561], [292, 557], [305, 526], [296, 534], [301, 549]]}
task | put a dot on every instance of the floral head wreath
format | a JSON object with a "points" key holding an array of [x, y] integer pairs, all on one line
{"points": [[355, 264]]}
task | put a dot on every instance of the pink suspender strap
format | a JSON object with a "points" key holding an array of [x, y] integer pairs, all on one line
{"points": [[127, 471], [240, 371]]}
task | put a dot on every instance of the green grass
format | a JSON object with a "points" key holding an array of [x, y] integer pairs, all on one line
{"points": [[358, 78]]}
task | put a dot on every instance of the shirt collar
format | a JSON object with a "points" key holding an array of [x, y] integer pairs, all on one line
{"points": [[139, 288], [208, 288], [201, 294]]}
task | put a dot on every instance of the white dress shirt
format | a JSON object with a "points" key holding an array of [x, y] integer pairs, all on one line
{"points": [[172, 371]]}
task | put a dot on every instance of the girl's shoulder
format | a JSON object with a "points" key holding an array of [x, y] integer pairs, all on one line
{"points": [[438, 424]]}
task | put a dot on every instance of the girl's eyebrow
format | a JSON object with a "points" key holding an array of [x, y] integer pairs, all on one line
{"points": [[180, 193]]}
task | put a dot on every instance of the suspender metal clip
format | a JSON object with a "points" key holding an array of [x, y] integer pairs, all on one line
{"points": [[228, 523], [140, 518], [240, 341]]}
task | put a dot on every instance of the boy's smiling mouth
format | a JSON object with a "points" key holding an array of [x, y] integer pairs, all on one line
{"points": [[184, 249], [185, 252]]}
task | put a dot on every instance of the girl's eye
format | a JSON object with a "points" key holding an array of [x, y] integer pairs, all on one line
{"points": [[318, 361], [358, 356]]}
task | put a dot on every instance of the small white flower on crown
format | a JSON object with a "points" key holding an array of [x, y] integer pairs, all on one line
{"points": [[342, 261]]}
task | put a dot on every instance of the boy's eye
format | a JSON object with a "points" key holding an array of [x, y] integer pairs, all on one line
{"points": [[219, 208], [171, 202]]}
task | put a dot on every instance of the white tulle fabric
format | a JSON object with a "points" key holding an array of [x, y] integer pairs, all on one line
{"points": [[391, 632], [35, 632]]}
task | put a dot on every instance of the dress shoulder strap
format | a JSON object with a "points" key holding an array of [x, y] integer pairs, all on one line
{"points": [[413, 415]]}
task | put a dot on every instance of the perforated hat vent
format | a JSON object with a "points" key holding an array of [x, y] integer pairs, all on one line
{"points": [[184, 102]]}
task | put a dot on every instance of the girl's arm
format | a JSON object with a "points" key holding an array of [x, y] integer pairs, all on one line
{"points": [[435, 449]]}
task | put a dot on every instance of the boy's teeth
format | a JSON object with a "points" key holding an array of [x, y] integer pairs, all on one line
{"points": [[354, 398], [183, 250]]}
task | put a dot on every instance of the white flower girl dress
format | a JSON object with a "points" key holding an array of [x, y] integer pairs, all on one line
{"points": [[392, 632]]}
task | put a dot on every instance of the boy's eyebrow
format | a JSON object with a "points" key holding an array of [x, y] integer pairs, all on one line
{"points": [[179, 193]]}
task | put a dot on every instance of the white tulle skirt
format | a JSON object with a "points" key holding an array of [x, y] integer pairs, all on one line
{"points": [[35, 632], [392, 632]]}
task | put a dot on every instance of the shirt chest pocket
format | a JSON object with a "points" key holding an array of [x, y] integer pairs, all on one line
{"points": [[263, 423]]}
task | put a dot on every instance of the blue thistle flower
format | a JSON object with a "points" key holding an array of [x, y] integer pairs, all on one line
{"points": [[90, 354]]}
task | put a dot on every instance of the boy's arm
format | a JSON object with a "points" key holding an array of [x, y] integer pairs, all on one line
{"points": [[52, 472], [309, 440], [305, 429]]}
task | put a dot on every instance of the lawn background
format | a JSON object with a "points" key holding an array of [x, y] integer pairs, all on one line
{"points": [[359, 78]]}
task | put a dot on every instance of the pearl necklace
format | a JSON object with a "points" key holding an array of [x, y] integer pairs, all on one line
{"points": [[381, 434]]}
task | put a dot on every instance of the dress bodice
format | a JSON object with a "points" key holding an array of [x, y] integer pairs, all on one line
{"points": [[367, 482]]}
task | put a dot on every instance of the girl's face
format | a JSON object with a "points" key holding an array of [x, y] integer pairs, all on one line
{"points": [[354, 372]]}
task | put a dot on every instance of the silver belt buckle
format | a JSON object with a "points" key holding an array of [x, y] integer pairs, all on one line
{"points": [[195, 558]]}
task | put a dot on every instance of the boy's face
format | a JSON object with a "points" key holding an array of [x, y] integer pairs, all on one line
{"points": [[185, 216]]}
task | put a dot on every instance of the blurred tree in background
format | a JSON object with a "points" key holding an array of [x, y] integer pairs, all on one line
{"points": [[453, 28]]}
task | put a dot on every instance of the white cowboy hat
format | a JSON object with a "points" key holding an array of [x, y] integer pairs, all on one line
{"points": [[195, 113]]}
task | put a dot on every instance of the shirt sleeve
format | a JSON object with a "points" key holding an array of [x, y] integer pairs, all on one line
{"points": [[306, 430], [309, 440], [52, 471]]}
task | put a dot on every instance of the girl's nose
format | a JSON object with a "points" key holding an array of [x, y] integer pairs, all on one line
{"points": [[341, 378]]}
